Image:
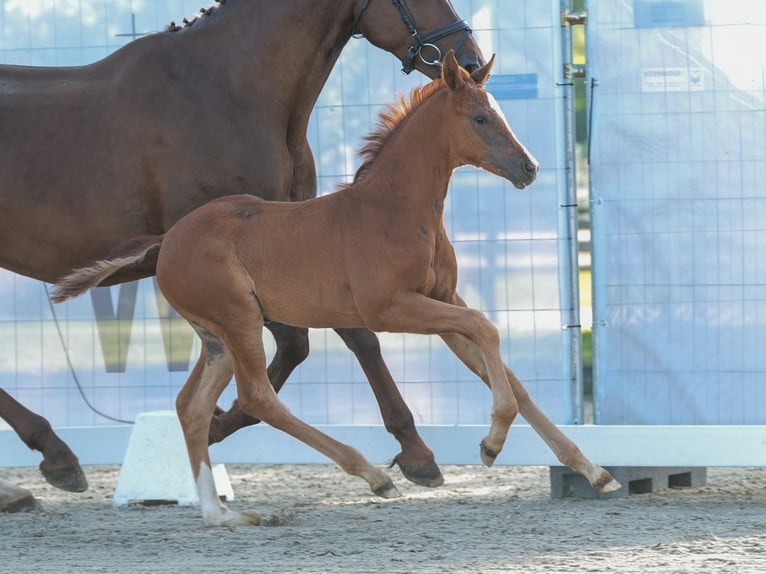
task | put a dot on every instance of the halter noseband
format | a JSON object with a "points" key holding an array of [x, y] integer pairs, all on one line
{"points": [[420, 41]]}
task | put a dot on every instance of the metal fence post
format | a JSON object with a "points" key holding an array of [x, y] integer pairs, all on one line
{"points": [[570, 251]]}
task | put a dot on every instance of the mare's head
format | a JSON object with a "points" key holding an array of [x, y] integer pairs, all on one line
{"points": [[418, 32], [480, 134]]}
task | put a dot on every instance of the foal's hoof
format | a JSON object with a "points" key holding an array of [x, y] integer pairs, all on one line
{"points": [[487, 454], [606, 483], [230, 518], [427, 474], [71, 478], [387, 490], [246, 519]]}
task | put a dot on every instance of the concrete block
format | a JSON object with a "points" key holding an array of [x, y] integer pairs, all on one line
{"points": [[565, 483], [15, 499], [156, 467]]}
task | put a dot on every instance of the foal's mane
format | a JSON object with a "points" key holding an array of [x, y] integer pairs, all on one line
{"points": [[173, 27], [389, 119]]}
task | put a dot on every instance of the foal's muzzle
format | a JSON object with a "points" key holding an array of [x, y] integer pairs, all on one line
{"points": [[529, 171]]}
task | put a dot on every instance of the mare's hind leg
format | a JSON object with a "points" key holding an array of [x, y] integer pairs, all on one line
{"points": [[195, 404], [60, 465], [416, 460], [292, 348], [565, 450]]}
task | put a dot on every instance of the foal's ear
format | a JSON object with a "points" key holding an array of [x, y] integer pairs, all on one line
{"points": [[451, 71], [481, 75]]}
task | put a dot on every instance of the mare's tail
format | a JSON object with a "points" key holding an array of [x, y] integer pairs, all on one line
{"points": [[127, 255]]}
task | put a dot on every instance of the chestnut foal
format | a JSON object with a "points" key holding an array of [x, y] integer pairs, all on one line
{"points": [[374, 254]]}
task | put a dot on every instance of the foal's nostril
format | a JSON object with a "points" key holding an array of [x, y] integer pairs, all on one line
{"points": [[531, 167]]}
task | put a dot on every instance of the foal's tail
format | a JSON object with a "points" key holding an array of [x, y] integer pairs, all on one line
{"points": [[130, 254]]}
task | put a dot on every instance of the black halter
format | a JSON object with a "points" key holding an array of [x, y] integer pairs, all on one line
{"points": [[420, 41]]}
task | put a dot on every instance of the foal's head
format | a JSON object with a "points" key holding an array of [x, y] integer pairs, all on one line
{"points": [[482, 136]]}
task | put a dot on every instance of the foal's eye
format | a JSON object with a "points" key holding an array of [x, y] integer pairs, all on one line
{"points": [[479, 119]]}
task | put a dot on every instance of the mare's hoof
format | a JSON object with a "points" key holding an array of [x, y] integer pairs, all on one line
{"points": [[606, 483], [215, 434], [217, 431], [71, 479], [387, 490], [15, 499], [488, 455], [427, 474], [224, 423]]}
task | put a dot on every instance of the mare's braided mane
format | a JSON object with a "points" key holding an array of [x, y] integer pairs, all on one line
{"points": [[173, 27]]}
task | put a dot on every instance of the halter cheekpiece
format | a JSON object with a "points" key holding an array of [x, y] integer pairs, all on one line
{"points": [[420, 42]]}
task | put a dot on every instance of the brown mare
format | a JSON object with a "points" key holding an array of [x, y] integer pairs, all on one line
{"points": [[374, 254], [93, 155]]}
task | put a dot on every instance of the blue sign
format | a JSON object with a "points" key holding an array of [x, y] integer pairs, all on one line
{"points": [[513, 86], [668, 13]]}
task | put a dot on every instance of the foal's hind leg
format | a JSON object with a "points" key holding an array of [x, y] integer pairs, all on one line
{"points": [[292, 349], [60, 465], [416, 461], [564, 449], [195, 404], [258, 398]]}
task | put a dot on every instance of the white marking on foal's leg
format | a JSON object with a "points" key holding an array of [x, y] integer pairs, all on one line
{"points": [[215, 513], [209, 502]]}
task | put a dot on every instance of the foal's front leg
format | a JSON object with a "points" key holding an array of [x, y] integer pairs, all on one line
{"points": [[565, 450]]}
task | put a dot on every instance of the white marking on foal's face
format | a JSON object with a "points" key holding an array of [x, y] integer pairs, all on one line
{"points": [[495, 105]]}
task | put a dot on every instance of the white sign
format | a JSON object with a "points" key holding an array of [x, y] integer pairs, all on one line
{"points": [[672, 79]]}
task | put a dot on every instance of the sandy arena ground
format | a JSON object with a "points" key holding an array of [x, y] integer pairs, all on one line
{"points": [[319, 520]]}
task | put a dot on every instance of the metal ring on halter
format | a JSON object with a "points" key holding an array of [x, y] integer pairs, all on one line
{"points": [[434, 62]]}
